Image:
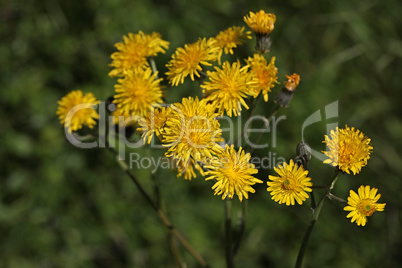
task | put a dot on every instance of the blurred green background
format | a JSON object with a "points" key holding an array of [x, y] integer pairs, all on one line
{"points": [[61, 206]]}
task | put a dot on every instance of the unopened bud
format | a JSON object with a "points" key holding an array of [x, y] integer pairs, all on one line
{"points": [[303, 154]]}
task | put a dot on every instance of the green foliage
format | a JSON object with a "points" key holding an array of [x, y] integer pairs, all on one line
{"points": [[61, 206]]}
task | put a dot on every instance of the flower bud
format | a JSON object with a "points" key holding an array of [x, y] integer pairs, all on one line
{"points": [[303, 154], [285, 96]]}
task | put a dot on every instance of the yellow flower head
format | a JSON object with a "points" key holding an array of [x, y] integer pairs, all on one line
{"points": [[293, 82], [348, 148], [137, 93], [192, 131], [76, 110], [189, 60], [233, 173], [363, 205], [267, 74], [229, 86], [261, 23], [154, 122], [291, 184], [134, 50], [230, 38]]}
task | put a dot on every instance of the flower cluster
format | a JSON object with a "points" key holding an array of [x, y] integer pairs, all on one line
{"points": [[349, 150], [137, 92], [190, 130]]}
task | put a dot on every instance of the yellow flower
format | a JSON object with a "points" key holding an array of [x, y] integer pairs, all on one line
{"points": [[291, 184], [233, 173], [228, 87], [363, 205], [189, 60], [230, 38], [154, 122], [267, 74], [191, 132], [76, 110], [137, 93], [349, 149], [134, 50], [261, 23]]}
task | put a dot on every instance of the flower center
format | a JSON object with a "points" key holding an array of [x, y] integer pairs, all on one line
{"points": [[197, 134], [366, 207], [288, 184], [231, 173], [195, 139], [346, 153]]}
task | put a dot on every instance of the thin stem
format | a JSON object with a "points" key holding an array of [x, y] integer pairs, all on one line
{"points": [[253, 106], [337, 199], [153, 66], [155, 187], [304, 243], [170, 237], [314, 218], [266, 122], [319, 187], [165, 220], [228, 233], [242, 219], [203, 73], [173, 249], [313, 204]]}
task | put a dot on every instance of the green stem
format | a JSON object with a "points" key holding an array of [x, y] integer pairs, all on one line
{"points": [[242, 228], [228, 233], [170, 237], [304, 243], [153, 66], [267, 122], [313, 204], [156, 190], [337, 199], [253, 106], [162, 216], [203, 73], [173, 249], [314, 218]]}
